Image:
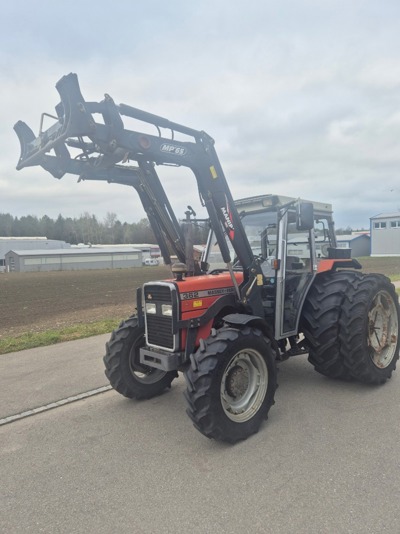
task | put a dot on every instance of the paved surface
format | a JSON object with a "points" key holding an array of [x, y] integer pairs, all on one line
{"points": [[34, 377], [326, 461]]}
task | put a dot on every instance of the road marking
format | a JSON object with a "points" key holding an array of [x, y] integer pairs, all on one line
{"points": [[52, 405]]}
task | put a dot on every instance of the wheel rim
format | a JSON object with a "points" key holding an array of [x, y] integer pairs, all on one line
{"points": [[244, 385], [142, 373], [382, 329]]}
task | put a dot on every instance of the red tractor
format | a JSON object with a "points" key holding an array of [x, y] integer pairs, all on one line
{"points": [[272, 282]]}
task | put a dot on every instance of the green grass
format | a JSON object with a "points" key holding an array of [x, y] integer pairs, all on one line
{"points": [[31, 340]]}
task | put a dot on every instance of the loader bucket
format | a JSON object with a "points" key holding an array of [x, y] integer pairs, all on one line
{"points": [[73, 120]]}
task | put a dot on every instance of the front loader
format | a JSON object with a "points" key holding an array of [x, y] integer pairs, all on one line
{"points": [[271, 284]]}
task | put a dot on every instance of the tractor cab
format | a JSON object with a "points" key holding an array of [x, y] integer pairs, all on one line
{"points": [[290, 238]]}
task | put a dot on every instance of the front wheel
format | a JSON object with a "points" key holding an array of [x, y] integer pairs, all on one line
{"points": [[123, 368], [231, 384]]}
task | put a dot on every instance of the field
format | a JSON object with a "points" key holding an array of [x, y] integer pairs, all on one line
{"points": [[43, 308], [389, 266], [36, 302]]}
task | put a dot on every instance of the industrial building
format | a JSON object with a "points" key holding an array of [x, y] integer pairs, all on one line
{"points": [[28, 243], [149, 250], [360, 244], [72, 259], [385, 234]]}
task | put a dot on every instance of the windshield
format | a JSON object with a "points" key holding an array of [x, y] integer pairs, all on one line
{"points": [[261, 230]]}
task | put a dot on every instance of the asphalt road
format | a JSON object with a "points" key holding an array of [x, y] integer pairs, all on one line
{"points": [[326, 461]]}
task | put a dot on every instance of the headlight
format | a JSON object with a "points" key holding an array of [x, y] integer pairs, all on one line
{"points": [[151, 307], [166, 309]]}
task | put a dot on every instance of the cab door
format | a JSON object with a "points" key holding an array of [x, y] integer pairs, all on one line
{"points": [[297, 268]]}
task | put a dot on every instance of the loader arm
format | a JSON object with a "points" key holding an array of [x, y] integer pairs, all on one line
{"points": [[145, 180], [106, 147]]}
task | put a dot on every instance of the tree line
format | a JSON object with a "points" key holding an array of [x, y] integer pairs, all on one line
{"points": [[84, 229], [88, 229]]}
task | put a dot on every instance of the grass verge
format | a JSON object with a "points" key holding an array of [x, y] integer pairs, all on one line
{"points": [[31, 340]]}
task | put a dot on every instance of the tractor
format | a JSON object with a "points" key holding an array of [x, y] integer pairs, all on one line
{"points": [[271, 283]]}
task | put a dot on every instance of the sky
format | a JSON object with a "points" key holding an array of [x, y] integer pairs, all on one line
{"points": [[302, 97]]}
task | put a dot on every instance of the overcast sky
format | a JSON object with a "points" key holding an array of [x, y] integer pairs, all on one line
{"points": [[301, 96]]}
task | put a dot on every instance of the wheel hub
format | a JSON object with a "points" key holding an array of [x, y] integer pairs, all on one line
{"points": [[244, 385], [237, 382], [382, 329]]}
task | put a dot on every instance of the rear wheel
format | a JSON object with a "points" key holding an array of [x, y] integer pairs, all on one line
{"points": [[231, 384], [320, 322], [370, 329], [123, 368]]}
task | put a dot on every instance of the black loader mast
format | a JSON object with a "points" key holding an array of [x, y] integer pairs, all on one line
{"points": [[105, 148]]}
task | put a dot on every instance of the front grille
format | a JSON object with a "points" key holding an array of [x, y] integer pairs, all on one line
{"points": [[159, 327], [157, 293], [159, 331]]}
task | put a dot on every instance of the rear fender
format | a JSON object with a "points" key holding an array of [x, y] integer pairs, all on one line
{"points": [[333, 264]]}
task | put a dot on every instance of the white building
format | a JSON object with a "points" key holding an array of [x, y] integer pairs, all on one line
{"points": [[72, 259], [27, 243], [149, 250], [385, 234], [360, 244]]}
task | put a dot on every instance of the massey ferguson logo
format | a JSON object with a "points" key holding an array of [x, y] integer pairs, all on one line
{"points": [[228, 221], [207, 293], [173, 149], [227, 218]]}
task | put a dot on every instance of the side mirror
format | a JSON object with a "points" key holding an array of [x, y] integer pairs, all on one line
{"points": [[305, 216]]}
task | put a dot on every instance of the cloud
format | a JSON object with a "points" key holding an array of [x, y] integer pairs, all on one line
{"points": [[302, 97]]}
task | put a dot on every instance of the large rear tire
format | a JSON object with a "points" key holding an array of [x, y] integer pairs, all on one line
{"points": [[369, 329], [320, 322], [123, 368], [231, 383]]}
